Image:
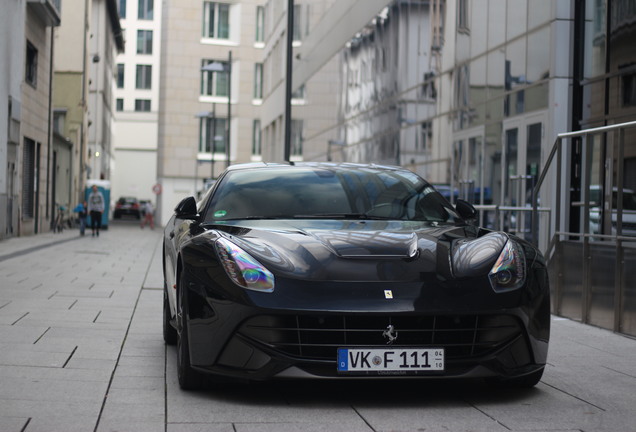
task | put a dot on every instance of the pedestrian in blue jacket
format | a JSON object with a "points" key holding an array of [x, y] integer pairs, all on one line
{"points": [[80, 209]]}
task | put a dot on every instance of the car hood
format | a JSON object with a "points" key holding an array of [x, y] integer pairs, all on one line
{"points": [[347, 250]]}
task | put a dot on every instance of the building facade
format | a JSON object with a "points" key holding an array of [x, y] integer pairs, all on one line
{"points": [[135, 129], [70, 108], [210, 90], [26, 110], [105, 41], [50, 84]]}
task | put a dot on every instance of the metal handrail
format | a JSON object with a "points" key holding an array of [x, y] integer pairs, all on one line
{"points": [[505, 208], [556, 151], [613, 138], [599, 236]]}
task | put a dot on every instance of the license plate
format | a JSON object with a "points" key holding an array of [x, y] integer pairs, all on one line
{"points": [[390, 359]]}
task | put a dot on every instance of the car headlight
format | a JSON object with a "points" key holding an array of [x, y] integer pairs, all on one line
{"points": [[244, 270], [509, 272]]}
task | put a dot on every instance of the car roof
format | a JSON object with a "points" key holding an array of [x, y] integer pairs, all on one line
{"points": [[327, 165]]}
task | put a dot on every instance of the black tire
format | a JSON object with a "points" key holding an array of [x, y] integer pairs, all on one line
{"points": [[189, 379], [169, 332], [526, 381]]}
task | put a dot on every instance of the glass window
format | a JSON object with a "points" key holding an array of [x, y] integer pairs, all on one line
{"points": [[516, 12], [216, 20], [122, 9], [538, 14], [31, 70], [595, 38], [496, 74], [628, 91], [538, 67], [297, 24], [496, 31], [59, 120], [258, 81], [144, 41], [462, 96], [256, 138], [462, 15], [212, 129], [479, 27], [297, 137], [145, 9], [300, 93], [215, 82], [29, 173], [120, 104], [260, 23], [142, 105], [492, 181], [144, 77], [120, 75]]}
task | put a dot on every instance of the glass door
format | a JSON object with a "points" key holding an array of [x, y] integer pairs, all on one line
{"points": [[523, 142]]}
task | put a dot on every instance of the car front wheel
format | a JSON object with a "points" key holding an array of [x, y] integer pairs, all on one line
{"points": [[189, 379], [169, 332]]}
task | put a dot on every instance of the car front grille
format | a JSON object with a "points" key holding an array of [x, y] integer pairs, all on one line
{"points": [[317, 337]]}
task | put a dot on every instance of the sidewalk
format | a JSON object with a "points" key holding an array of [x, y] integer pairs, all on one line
{"points": [[66, 305], [15, 246]]}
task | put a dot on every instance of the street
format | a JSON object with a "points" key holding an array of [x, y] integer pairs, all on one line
{"points": [[81, 349]]}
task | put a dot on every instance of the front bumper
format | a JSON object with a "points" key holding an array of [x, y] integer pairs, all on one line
{"points": [[295, 331]]}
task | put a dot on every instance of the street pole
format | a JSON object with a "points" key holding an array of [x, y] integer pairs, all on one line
{"points": [[229, 110], [288, 79], [213, 144]]}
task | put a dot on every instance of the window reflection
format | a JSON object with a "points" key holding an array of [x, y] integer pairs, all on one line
{"points": [[516, 18]]}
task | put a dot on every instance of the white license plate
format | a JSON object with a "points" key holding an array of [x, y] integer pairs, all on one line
{"points": [[390, 359]]}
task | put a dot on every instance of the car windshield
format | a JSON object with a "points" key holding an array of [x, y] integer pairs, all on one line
{"points": [[319, 192]]}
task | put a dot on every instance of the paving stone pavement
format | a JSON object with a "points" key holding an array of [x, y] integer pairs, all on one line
{"points": [[81, 350], [68, 340]]}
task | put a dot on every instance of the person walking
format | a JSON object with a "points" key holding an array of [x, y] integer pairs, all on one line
{"points": [[96, 207], [149, 217], [80, 209]]}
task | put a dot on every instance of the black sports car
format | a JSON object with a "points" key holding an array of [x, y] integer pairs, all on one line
{"points": [[329, 270]]}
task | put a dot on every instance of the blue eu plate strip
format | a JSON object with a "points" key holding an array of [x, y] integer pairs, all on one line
{"points": [[343, 359]]}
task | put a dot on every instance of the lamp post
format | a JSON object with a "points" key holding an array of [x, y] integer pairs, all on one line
{"points": [[220, 67], [288, 80]]}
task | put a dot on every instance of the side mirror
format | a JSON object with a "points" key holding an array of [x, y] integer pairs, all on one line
{"points": [[187, 209], [466, 210]]}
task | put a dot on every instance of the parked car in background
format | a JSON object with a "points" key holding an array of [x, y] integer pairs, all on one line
{"points": [[352, 271], [628, 216], [127, 206]]}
